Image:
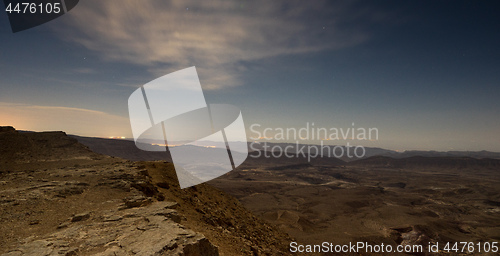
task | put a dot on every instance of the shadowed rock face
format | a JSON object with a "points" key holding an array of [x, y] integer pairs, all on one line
{"points": [[59, 198]]}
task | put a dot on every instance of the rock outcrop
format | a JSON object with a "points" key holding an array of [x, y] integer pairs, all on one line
{"points": [[64, 212], [149, 230]]}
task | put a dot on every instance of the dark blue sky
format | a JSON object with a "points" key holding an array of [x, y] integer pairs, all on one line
{"points": [[425, 73]]}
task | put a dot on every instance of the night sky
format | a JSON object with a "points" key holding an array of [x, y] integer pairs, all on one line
{"points": [[426, 74]]}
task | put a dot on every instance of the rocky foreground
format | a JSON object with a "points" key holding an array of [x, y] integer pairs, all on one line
{"points": [[59, 198]]}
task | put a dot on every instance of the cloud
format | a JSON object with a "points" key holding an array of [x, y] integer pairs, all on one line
{"points": [[216, 36], [84, 70], [76, 120]]}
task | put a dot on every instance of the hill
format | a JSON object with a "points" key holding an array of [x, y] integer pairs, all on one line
{"points": [[31, 150], [60, 198], [122, 148]]}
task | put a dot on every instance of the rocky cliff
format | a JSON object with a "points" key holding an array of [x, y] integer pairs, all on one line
{"points": [[59, 198]]}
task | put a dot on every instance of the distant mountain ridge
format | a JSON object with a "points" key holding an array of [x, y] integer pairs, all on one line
{"points": [[374, 156], [428, 162], [432, 153], [375, 151], [116, 147], [122, 148]]}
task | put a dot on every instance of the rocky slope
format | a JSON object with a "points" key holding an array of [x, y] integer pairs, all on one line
{"points": [[59, 198]]}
